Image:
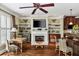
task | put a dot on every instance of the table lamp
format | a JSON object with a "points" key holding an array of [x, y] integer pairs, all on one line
{"points": [[14, 32]]}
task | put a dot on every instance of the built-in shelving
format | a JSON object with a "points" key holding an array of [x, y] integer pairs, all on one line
{"points": [[54, 26], [24, 28]]}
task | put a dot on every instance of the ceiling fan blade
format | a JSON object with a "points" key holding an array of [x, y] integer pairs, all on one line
{"points": [[34, 11], [43, 10], [27, 7], [47, 5], [36, 4]]}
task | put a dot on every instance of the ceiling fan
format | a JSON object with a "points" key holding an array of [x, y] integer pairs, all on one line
{"points": [[39, 6]]}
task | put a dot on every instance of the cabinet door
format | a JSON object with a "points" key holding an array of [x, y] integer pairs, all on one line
{"points": [[54, 37], [75, 50]]}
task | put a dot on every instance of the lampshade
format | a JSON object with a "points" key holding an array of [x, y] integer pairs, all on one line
{"points": [[13, 29]]}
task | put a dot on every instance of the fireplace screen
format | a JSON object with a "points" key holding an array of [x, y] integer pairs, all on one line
{"points": [[39, 38]]}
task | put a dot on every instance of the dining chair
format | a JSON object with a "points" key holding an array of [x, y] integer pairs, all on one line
{"points": [[12, 47], [64, 48]]}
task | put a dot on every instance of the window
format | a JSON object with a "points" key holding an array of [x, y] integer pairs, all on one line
{"points": [[5, 26]]}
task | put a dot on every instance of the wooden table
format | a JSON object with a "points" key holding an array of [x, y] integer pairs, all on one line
{"points": [[19, 41]]}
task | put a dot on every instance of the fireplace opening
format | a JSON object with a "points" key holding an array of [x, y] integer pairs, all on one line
{"points": [[39, 38]]}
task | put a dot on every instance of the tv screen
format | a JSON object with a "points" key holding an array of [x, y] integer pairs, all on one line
{"points": [[39, 23]]}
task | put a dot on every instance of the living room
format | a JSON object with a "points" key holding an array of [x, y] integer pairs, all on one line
{"points": [[39, 29]]}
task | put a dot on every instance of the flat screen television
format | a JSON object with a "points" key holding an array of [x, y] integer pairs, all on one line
{"points": [[41, 23]]}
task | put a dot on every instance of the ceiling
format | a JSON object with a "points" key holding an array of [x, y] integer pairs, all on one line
{"points": [[58, 10]]}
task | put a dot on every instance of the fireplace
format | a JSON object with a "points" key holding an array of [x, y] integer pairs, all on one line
{"points": [[39, 38]]}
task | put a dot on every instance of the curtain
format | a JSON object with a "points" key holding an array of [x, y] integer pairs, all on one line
{"points": [[5, 28]]}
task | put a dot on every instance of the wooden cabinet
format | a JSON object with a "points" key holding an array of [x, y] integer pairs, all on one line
{"points": [[53, 37], [52, 40], [67, 20], [74, 45], [76, 48], [77, 21]]}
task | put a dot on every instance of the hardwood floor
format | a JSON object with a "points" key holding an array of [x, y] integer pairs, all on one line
{"points": [[38, 52], [27, 51]]}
